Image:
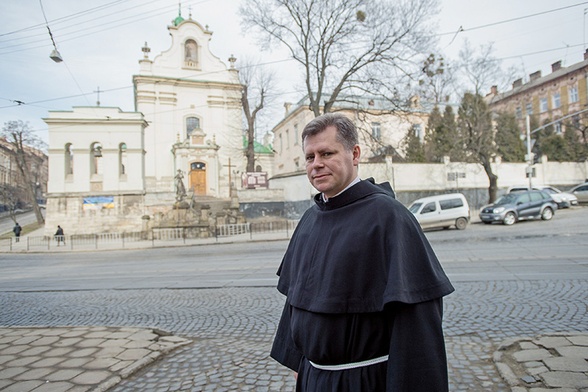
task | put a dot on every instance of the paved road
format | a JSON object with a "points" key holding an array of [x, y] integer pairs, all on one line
{"points": [[515, 281]]}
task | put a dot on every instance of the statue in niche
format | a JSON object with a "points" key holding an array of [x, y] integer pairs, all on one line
{"points": [[190, 52], [180, 188]]}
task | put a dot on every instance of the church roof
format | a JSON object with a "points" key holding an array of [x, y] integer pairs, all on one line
{"points": [[258, 147]]}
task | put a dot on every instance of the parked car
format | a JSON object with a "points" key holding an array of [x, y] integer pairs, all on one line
{"points": [[581, 192], [563, 199], [442, 211], [517, 206]]}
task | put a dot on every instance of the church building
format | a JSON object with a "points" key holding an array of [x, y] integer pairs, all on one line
{"points": [[115, 171]]}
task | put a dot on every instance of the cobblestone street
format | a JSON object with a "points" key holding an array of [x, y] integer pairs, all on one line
{"points": [[232, 329]]}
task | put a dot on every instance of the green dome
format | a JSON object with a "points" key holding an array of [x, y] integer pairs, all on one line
{"points": [[178, 20]]}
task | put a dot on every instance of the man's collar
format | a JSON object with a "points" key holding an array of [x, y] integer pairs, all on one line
{"points": [[326, 199]]}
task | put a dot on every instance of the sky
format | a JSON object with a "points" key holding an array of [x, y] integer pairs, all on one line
{"points": [[100, 42]]}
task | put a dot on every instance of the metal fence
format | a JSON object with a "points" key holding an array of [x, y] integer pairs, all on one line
{"points": [[282, 229]]}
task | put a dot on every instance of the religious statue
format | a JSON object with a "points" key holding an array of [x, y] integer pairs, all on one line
{"points": [[180, 188]]}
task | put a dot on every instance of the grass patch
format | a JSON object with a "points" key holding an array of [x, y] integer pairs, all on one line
{"points": [[25, 230]]}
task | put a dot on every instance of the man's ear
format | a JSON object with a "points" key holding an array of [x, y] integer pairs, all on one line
{"points": [[356, 154]]}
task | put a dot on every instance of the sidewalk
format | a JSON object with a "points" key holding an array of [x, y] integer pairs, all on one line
{"points": [[77, 358], [35, 245], [553, 361]]}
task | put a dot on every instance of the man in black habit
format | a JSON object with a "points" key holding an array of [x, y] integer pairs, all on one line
{"points": [[363, 286]]}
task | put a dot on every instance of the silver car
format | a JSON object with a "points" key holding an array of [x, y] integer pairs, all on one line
{"points": [[563, 199], [581, 192], [517, 206]]}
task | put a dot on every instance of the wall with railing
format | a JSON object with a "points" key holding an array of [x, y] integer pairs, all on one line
{"points": [[161, 237]]}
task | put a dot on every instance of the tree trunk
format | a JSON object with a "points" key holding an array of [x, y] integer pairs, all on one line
{"points": [[493, 179]]}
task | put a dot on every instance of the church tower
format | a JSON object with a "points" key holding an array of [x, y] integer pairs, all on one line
{"points": [[191, 101]]}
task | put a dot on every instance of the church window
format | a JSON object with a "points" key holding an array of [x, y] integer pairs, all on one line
{"points": [[96, 158], [192, 123], [68, 159], [191, 53], [122, 159]]}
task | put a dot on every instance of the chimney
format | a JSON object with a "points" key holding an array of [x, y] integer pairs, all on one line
{"points": [[586, 55], [287, 106], [535, 75], [555, 66], [517, 83], [494, 90]]}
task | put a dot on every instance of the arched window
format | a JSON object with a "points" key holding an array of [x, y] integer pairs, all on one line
{"points": [[191, 53], [68, 164], [122, 159], [192, 123], [96, 158]]}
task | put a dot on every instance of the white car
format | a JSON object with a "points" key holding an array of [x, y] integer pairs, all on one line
{"points": [[563, 199], [442, 211]]}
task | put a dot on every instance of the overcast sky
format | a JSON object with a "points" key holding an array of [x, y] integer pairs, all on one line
{"points": [[100, 42]]}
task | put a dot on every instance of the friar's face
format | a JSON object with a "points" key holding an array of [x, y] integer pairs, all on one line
{"points": [[329, 166]]}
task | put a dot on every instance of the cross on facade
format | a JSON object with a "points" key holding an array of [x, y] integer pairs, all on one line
{"points": [[98, 93]]}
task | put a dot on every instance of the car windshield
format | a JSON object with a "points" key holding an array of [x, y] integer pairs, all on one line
{"points": [[507, 199], [414, 207]]}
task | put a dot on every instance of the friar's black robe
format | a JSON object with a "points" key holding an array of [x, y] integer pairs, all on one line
{"points": [[362, 281]]}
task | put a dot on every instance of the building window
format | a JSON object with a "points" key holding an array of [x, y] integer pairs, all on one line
{"points": [[376, 131], [556, 100], [573, 92], [558, 128], [529, 108], [281, 144], [295, 134], [418, 131], [287, 139], [96, 158], [122, 159], [543, 105], [519, 112], [68, 159], [192, 123]]}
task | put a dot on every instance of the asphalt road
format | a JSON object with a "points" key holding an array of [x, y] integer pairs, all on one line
{"points": [[556, 249]]}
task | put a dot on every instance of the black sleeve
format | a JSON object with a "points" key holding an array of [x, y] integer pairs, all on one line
{"points": [[417, 362], [284, 350]]}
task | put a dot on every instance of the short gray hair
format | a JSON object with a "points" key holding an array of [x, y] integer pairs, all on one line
{"points": [[346, 130]]}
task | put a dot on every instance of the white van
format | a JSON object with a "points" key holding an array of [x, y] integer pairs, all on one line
{"points": [[444, 211]]}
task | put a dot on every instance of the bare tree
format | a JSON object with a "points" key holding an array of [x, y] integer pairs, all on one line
{"points": [[474, 126], [258, 85], [347, 48], [436, 80], [478, 69], [25, 149], [10, 196]]}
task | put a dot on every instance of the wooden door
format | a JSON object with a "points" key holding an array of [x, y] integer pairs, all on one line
{"points": [[198, 178]]}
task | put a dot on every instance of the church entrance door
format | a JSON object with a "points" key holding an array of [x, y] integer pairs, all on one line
{"points": [[198, 178]]}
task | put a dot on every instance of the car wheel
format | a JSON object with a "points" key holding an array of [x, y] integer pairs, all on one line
{"points": [[461, 223], [547, 214], [509, 219]]}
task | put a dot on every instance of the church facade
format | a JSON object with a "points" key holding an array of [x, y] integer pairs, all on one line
{"points": [[115, 171]]}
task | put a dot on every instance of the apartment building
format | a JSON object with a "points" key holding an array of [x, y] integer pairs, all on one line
{"points": [[547, 98]]}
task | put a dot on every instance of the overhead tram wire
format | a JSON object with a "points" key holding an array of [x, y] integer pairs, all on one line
{"points": [[58, 20], [124, 21], [290, 59]]}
